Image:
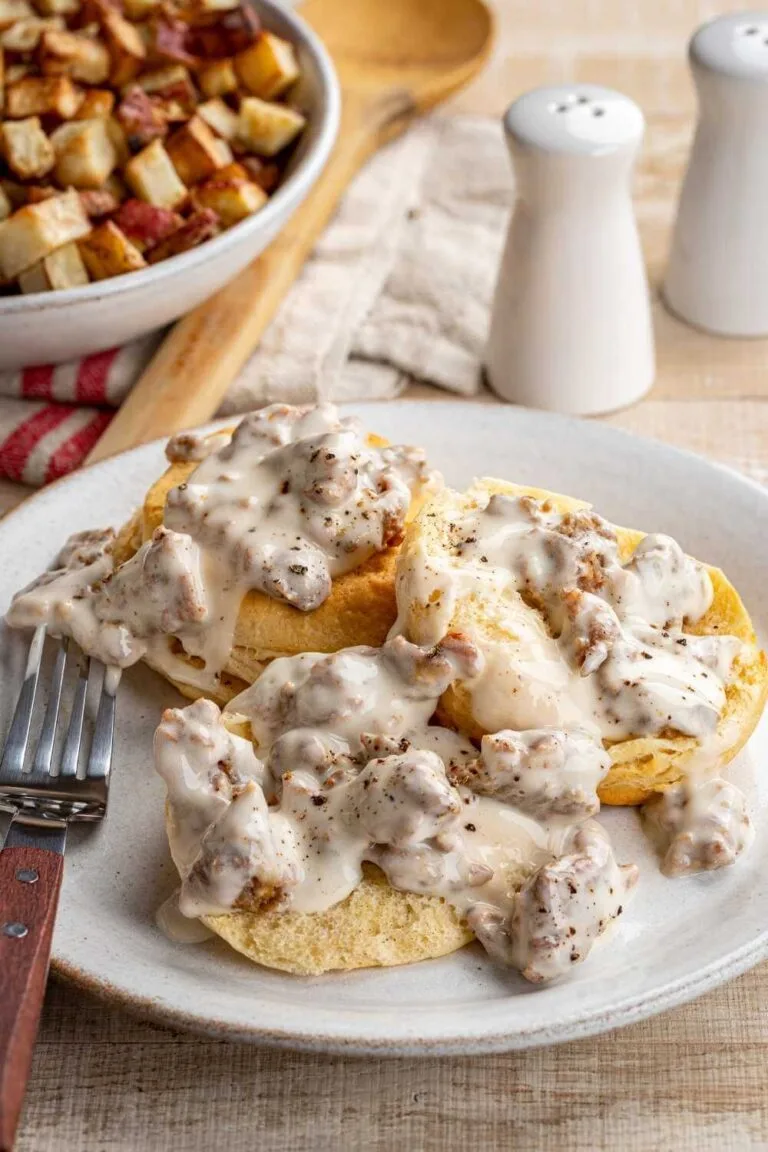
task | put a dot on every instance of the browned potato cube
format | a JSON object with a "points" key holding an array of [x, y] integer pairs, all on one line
{"points": [[57, 7], [36, 96], [16, 193], [25, 35], [36, 230], [16, 72], [231, 199], [220, 117], [64, 53], [140, 9], [125, 44], [85, 154], [97, 105], [6, 208], [115, 185], [202, 226], [153, 177], [27, 150], [173, 90], [107, 251], [119, 140], [217, 78], [196, 152], [267, 128], [64, 268], [268, 67], [13, 10]]}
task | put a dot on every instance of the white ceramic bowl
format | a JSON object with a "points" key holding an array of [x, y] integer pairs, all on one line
{"points": [[51, 327]]}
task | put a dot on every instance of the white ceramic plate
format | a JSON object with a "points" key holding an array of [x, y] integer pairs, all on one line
{"points": [[677, 939]]}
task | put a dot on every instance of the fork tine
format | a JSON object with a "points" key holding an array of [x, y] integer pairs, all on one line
{"points": [[70, 755], [15, 750], [100, 759], [44, 753]]}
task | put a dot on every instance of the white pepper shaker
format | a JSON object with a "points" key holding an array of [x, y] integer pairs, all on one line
{"points": [[571, 326], [717, 278]]}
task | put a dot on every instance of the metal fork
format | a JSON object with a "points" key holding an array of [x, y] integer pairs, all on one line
{"points": [[42, 802]]}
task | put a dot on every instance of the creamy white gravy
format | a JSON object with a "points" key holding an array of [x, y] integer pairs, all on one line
{"points": [[293, 498], [349, 770], [582, 638]]}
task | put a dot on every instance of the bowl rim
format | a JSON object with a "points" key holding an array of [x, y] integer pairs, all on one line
{"points": [[286, 198]]}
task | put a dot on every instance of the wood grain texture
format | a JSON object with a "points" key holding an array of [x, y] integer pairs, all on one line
{"points": [[395, 59], [23, 969], [693, 1080]]}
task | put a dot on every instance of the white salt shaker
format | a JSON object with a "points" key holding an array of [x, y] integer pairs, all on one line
{"points": [[717, 277], [571, 327]]}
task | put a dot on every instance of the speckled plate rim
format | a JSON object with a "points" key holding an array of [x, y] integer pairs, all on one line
{"points": [[617, 1013]]}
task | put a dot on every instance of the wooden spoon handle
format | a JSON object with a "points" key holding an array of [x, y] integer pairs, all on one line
{"points": [[27, 914], [199, 359]]}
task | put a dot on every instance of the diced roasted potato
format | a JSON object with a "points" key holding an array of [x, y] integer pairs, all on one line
{"points": [[5, 205], [203, 6], [202, 226], [107, 251], [268, 67], [65, 53], [27, 150], [33, 232], [220, 117], [38, 95], [64, 268], [140, 9], [217, 78], [125, 44], [85, 154], [267, 128], [153, 177], [196, 152], [231, 199], [16, 72], [25, 35], [57, 7], [146, 224], [97, 104], [160, 79], [13, 10]]}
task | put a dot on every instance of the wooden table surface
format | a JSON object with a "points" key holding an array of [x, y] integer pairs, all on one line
{"points": [[694, 1079]]}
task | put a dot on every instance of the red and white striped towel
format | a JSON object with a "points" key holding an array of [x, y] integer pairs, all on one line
{"points": [[399, 287], [52, 416]]}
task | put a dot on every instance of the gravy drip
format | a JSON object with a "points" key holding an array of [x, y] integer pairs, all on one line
{"points": [[349, 770], [294, 498], [576, 637]]}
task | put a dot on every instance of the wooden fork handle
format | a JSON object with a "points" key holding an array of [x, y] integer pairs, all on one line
{"points": [[30, 880]]}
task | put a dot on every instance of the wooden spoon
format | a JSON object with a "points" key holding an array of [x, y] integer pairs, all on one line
{"points": [[395, 58]]}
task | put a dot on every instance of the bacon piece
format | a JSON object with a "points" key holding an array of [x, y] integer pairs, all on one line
{"points": [[146, 225]]}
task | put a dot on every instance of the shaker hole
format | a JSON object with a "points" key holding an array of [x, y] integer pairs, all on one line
{"points": [[598, 111], [751, 31], [583, 100], [562, 108]]}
